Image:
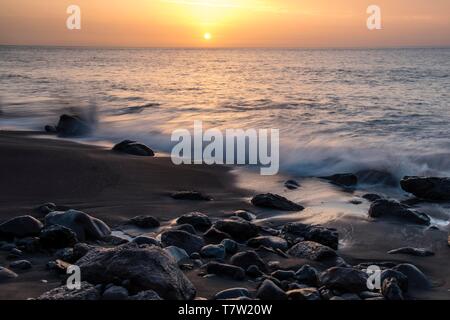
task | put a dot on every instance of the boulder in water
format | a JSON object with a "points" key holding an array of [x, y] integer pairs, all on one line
{"points": [[428, 188], [277, 202], [343, 179], [20, 227], [72, 126], [133, 148], [394, 209]]}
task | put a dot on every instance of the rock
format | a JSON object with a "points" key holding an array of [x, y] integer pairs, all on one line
{"points": [[419, 252], [428, 188], [231, 246], [65, 254], [29, 244], [239, 230], [277, 202], [84, 226], [312, 251], [244, 215], [270, 291], [344, 279], [306, 294], [391, 290], [307, 275], [369, 295], [50, 129], [213, 251], [377, 177], [147, 295], [190, 195], [176, 253], [225, 270], [146, 240], [343, 179], [7, 247], [326, 236], [232, 293], [58, 265], [80, 250], [134, 148], [215, 236], [292, 184], [6, 274], [72, 126], [87, 292], [146, 268], [115, 293], [20, 227], [350, 297], [15, 253], [146, 222], [198, 220], [56, 237], [185, 227], [21, 265], [254, 272], [45, 208], [397, 210], [402, 280], [416, 278], [283, 274], [182, 239], [372, 197], [246, 259], [268, 241]]}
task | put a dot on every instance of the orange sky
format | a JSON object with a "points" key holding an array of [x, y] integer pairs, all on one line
{"points": [[231, 23]]}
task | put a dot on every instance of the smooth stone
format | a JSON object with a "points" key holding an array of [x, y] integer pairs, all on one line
{"points": [[72, 126], [115, 293], [232, 293], [304, 294], [428, 188], [307, 275], [21, 265], [343, 179], [140, 240], [213, 251], [326, 236], [65, 254], [246, 215], [283, 274], [419, 252], [246, 259], [134, 148], [190, 195], [87, 292], [29, 244], [215, 236], [270, 291], [402, 280], [6, 274], [254, 272], [239, 230], [231, 246], [57, 237], [198, 220], [182, 239], [177, 253], [148, 295], [372, 197], [45, 208], [312, 251], [397, 210], [344, 279], [391, 290], [350, 297], [20, 227], [146, 222], [225, 270], [185, 227], [292, 184], [369, 295], [416, 278], [274, 201], [268, 241]]}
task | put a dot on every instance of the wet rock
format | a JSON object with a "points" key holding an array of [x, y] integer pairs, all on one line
{"points": [[80, 250], [148, 295], [65, 254], [325, 236], [213, 251], [270, 291], [146, 268], [391, 290], [225, 270], [115, 293], [369, 295], [350, 297], [56, 237], [198, 220], [231, 246], [428, 188], [402, 280], [244, 215], [84, 226], [190, 195], [394, 209], [21, 265], [87, 292], [268, 241], [146, 240], [185, 227], [306, 294], [246, 259], [372, 197], [215, 236], [29, 244], [239, 230], [344, 279], [292, 185], [134, 148], [254, 272], [58, 265], [416, 278], [184, 240], [307, 275], [146, 222], [72, 126], [283, 274], [232, 293], [377, 177], [20, 227], [312, 251], [277, 202], [6, 274], [15, 253], [419, 252], [176, 253], [7, 247], [343, 179], [50, 129], [45, 208]]}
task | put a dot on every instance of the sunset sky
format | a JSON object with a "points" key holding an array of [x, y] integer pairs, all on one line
{"points": [[226, 23]]}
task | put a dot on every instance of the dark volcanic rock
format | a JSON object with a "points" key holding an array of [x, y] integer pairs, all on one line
{"points": [[270, 291], [185, 227], [190, 195], [416, 278], [145, 222], [215, 236], [246, 259], [230, 246], [213, 251], [87, 292], [343, 179], [306, 294], [6, 274], [84, 226], [292, 184], [237, 229], [134, 148], [372, 197], [20, 227], [72, 126], [307, 275], [198, 220], [419, 252], [394, 209], [344, 279], [312, 251], [268, 241], [326, 236], [274, 201], [225, 270], [391, 290], [182, 239], [377, 177], [146, 240], [57, 237], [145, 268], [428, 188]]}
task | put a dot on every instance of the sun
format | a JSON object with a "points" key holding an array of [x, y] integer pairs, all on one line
{"points": [[207, 36]]}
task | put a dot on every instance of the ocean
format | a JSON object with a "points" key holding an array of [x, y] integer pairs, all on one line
{"points": [[338, 110]]}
